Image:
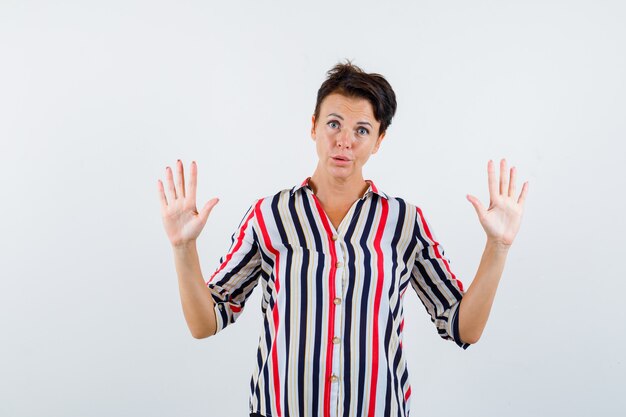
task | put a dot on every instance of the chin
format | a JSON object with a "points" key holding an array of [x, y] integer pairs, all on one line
{"points": [[341, 172]]}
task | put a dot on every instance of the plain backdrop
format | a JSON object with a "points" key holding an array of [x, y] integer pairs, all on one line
{"points": [[97, 98]]}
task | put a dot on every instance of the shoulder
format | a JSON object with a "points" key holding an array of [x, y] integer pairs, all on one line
{"points": [[410, 211], [401, 203]]}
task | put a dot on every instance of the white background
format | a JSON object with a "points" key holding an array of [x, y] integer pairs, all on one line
{"points": [[96, 98]]}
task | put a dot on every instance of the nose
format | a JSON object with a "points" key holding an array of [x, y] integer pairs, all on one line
{"points": [[344, 140]]}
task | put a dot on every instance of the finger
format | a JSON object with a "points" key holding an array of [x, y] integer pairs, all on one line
{"points": [[208, 207], [522, 196], [161, 193], [478, 206], [491, 180], [512, 183], [193, 180], [504, 179], [181, 177], [170, 182]]}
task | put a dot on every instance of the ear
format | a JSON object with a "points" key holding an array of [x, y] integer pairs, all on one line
{"points": [[378, 142], [313, 127]]}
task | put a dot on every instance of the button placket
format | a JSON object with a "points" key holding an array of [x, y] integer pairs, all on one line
{"points": [[337, 301]]}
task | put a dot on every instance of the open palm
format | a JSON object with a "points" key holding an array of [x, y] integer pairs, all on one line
{"points": [[501, 221], [181, 219]]}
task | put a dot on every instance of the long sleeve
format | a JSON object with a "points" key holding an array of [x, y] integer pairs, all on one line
{"points": [[237, 274], [436, 285]]}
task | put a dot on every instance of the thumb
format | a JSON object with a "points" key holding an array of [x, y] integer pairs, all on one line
{"points": [[476, 203], [206, 210]]}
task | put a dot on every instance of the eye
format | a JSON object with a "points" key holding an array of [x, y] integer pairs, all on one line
{"points": [[333, 122], [363, 131]]}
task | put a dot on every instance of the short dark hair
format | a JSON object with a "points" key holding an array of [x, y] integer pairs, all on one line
{"points": [[351, 81]]}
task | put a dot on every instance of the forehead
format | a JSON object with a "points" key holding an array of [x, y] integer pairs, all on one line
{"points": [[348, 107]]}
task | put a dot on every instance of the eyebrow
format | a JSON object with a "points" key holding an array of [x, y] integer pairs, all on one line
{"points": [[358, 123]]}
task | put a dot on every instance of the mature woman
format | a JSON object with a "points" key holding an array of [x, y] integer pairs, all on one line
{"points": [[335, 256]]}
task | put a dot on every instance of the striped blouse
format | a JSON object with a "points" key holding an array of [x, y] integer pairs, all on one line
{"points": [[331, 343]]}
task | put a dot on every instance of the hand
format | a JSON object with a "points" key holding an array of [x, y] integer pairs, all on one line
{"points": [[182, 221], [502, 219]]}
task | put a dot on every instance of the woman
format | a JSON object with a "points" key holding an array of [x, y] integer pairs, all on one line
{"points": [[335, 256]]}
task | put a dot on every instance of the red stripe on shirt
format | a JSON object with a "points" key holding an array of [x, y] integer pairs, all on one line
{"points": [[331, 314], [427, 230], [374, 189], [235, 248], [379, 289], [270, 247]]}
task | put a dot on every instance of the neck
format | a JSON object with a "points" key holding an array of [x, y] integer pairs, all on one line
{"points": [[337, 190]]}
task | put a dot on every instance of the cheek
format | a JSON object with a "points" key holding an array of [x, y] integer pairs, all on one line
{"points": [[327, 141], [364, 153], [320, 146]]}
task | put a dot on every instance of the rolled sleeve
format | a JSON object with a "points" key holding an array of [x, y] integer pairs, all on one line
{"points": [[437, 287], [232, 282]]}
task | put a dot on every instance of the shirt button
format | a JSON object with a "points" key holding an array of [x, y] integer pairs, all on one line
{"points": [[337, 301], [339, 264], [336, 340], [334, 378], [335, 237]]}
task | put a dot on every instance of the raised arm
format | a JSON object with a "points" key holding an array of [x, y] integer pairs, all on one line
{"points": [[501, 222], [183, 224]]}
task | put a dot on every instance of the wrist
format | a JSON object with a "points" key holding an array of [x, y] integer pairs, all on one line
{"points": [[184, 246], [497, 246]]}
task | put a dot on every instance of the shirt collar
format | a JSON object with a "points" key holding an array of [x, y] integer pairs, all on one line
{"points": [[371, 189]]}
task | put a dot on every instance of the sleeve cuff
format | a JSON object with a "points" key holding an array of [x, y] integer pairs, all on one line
{"points": [[220, 315], [455, 328]]}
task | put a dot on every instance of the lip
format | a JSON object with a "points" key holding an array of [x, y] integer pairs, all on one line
{"points": [[341, 162], [341, 158]]}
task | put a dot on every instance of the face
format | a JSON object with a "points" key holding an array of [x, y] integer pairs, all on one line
{"points": [[346, 129]]}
